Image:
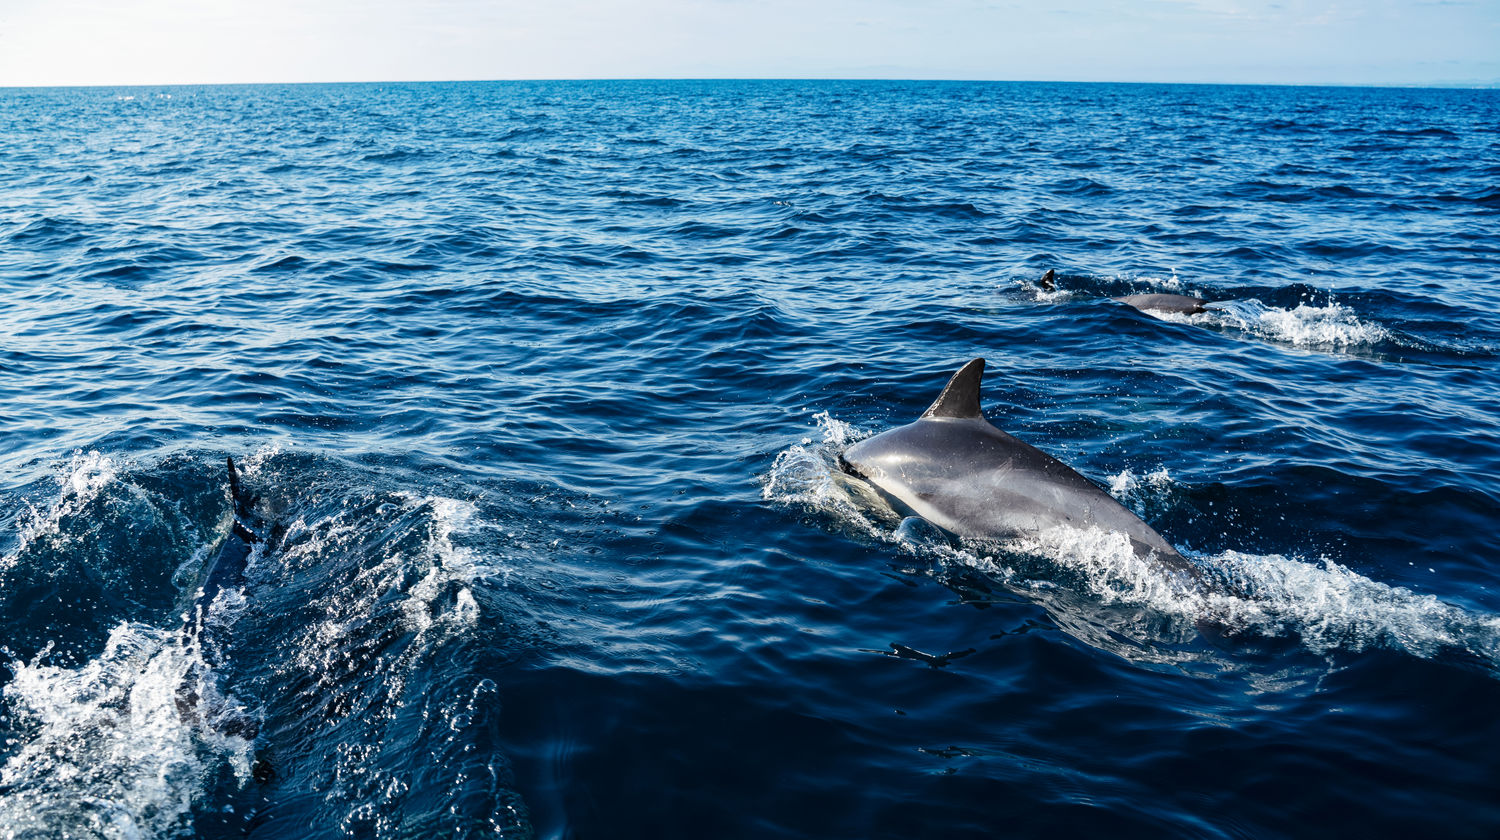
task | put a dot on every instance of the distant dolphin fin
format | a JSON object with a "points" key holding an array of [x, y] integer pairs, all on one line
{"points": [[234, 480], [242, 502], [1047, 282], [960, 397]]}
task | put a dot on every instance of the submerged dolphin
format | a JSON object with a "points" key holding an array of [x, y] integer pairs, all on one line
{"points": [[228, 566], [226, 571], [960, 473], [1176, 304]]}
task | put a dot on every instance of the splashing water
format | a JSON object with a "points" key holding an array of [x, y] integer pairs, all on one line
{"points": [[807, 474], [107, 749], [1332, 326], [450, 568], [1325, 605], [85, 475]]}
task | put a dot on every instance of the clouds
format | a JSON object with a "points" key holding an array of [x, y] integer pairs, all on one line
{"points": [[1288, 41]]}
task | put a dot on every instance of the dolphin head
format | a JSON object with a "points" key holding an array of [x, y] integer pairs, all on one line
{"points": [[892, 452]]}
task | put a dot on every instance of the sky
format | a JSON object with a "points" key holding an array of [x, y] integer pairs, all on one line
{"points": [[153, 42]]}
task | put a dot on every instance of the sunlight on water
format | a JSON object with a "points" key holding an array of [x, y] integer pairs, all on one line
{"points": [[501, 360], [449, 567], [79, 482], [110, 749]]}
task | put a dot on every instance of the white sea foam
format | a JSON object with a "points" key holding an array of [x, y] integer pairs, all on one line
{"points": [[1040, 295], [85, 475], [1323, 604], [1331, 326], [109, 749], [448, 566]]}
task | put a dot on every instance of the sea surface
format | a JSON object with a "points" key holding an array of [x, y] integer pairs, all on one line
{"points": [[541, 389]]}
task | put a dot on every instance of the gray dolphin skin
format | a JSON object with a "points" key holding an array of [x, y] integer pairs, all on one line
{"points": [[1177, 304], [957, 471]]}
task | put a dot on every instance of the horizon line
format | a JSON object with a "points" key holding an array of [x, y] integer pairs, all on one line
{"points": [[1492, 84]]}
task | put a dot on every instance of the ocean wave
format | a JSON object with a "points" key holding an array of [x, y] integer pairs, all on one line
{"points": [[79, 482]]}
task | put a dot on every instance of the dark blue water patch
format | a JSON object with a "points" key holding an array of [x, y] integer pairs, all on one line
{"points": [[1483, 198], [1082, 188]]}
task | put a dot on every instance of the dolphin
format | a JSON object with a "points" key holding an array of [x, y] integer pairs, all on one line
{"points": [[1175, 304], [956, 470], [225, 571], [228, 566]]}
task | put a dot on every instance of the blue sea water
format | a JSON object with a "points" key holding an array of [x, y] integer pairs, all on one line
{"points": [[542, 386]]}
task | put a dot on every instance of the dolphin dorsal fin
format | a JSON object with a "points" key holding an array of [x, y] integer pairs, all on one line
{"points": [[242, 502], [960, 397], [234, 479]]}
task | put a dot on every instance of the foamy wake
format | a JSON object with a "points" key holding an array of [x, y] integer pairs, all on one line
{"points": [[449, 566], [124, 745], [111, 749], [1332, 326], [1321, 603]]}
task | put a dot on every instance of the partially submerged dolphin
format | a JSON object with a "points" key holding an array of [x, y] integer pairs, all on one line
{"points": [[226, 571], [228, 566], [957, 471], [1175, 304]]}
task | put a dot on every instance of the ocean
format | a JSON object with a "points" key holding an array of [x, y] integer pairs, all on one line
{"points": [[541, 389]]}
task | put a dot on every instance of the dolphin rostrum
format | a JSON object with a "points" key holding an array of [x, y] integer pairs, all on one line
{"points": [[957, 471]]}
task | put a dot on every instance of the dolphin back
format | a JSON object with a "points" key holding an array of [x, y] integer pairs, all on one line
{"points": [[1178, 304], [227, 568], [958, 471]]}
